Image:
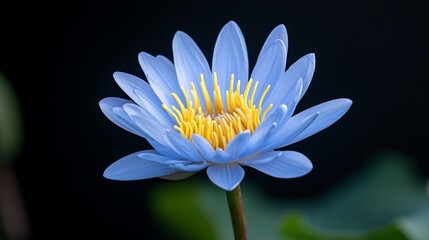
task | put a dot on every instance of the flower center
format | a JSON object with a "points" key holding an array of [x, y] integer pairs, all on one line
{"points": [[220, 123]]}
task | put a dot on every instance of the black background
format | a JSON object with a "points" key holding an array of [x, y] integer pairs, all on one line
{"points": [[60, 58]]}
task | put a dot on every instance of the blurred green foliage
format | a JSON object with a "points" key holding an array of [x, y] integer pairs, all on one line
{"points": [[387, 199], [388, 194], [10, 122], [179, 210], [296, 227]]}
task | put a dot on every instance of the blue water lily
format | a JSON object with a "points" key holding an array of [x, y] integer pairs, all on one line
{"points": [[219, 119]]}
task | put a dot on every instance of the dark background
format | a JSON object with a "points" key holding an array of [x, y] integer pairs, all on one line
{"points": [[60, 59]]}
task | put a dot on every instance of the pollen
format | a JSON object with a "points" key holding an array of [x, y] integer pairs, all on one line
{"points": [[223, 116]]}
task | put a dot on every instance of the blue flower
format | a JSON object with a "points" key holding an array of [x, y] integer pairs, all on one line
{"points": [[219, 119]]}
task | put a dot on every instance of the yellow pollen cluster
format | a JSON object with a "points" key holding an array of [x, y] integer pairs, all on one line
{"points": [[218, 124]]}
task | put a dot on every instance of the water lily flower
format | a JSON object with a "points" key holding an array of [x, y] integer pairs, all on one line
{"points": [[220, 118]]}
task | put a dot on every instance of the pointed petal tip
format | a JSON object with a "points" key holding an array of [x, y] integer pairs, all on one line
{"points": [[345, 101], [107, 174], [109, 102], [311, 57], [120, 77], [143, 56], [281, 31], [180, 36], [310, 166], [231, 22], [282, 26], [102, 102], [230, 26], [305, 165], [118, 74], [348, 101]]}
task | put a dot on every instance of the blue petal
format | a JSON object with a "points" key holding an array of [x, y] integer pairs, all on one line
{"points": [[203, 146], [287, 164], [226, 177], [163, 150], [207, 152], [138, 166], [301, 70], [167, 63], [147, 123], [309, 76], [190, 167], [221, 156], [161, 74], [269, 67], [129, 83], [289, 97], [155, 111], [260, 158], [264, 132], [329, 112], [289, 131], [278, 32], [162, 159], [230, 57], [238, 144], [112, 108], [190, 63], [141, 93], [183, 146]]}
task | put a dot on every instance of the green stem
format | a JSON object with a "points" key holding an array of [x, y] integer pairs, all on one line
{"points": [[236, 210]]}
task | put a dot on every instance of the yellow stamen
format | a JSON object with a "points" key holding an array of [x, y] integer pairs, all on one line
{"points": [[206, 95], [195, 97], [222, 119], [246, 91], [266, 110], [217, 95], [253, 93]]}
